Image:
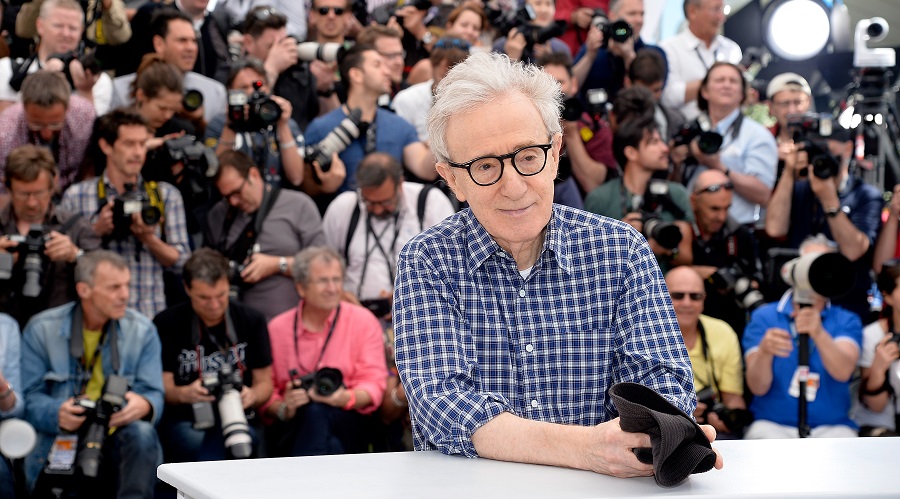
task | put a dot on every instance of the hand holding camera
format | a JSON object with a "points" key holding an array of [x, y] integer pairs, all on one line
{"points": [[282, 55], [135, 408], [194, 392], [886, 352], [71, 415], [103, 221], [60, 248]]}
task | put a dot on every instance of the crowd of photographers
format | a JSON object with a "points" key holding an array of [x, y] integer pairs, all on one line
{"points": [[204, 202]]}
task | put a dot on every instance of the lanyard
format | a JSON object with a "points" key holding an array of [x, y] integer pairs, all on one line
{"points": [[709, 360], [76, 347], [387, 258], [324, 346], [702, 60], [231, 335]]}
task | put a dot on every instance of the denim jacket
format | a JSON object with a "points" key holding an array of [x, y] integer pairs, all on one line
{"points": [[49, 372]]}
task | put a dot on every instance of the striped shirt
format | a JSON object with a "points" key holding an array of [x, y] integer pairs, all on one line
{"points": [[147, 292], [475, 339]]}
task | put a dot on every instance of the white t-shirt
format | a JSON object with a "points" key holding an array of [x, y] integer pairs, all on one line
{"points": [[102, 91]]}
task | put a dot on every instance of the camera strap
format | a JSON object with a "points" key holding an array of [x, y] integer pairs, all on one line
{"points": [[76, 346], [387, 256], [337, 313], [709, 360], [230, 334], [242, 247]]}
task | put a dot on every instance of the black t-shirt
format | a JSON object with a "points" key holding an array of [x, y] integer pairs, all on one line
{"points": [[183, 358]]}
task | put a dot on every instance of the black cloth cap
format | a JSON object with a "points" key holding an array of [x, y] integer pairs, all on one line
{"points": [[678, 445]]}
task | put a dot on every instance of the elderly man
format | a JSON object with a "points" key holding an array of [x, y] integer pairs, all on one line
{"points": [[724, 251], [323, 332], [693, 51], [715, 353], [772, 356], [490, 302]]}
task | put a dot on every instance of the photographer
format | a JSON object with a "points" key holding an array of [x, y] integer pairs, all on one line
{"points": [[604, 63], [772, 360], [725, 252], [152, 236], [788, 93], [323, 332], [841, 206], [274, 146], [636, 199], [747, 155], [59, 25], [51, 117], [387, 41], [197, 338], [31, 180], [521, 43], [258, 227], [113, 341], [876, 410], [715, 356]]}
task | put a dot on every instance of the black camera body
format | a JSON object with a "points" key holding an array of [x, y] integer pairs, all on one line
{"points": [[811, 132], [30, 248], [618, 31], [326, 380], [225, 385], [88, 61], [735, 419], [131, 202], [262, 112], [97, 420], [732, 279], [536, 35], [383, 13], [187, 150], [650, 206], [708, 141]]}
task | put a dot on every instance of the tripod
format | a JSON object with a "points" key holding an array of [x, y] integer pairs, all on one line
{"points": [[877, 133]]}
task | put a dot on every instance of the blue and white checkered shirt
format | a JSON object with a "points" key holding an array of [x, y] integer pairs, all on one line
{"points": [[147, 290], [474, 339]]}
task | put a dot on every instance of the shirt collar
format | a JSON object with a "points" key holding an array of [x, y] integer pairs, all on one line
{"points": [[726, 123], [482, 246], [786, 304], [111, 188], [696, 44]]}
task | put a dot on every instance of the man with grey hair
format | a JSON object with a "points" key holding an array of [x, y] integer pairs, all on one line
{"points": [[70, 352], [492, 301], [772, 361], [328, 364]]}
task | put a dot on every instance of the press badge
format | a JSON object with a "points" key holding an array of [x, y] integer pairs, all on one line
{"points": [[62, 455], [812, 383]]}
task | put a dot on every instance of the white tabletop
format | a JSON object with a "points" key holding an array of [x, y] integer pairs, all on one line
{"points": [[861, 467]]}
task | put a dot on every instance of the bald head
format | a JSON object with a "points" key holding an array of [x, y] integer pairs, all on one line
{"points": [[711, 200], [709, 177], [685, 279]]}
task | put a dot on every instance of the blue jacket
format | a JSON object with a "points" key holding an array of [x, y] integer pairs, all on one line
{"points": [[48, 373]]}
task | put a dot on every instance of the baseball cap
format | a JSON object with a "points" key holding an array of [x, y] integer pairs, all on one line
{"points": [[786, 81]]}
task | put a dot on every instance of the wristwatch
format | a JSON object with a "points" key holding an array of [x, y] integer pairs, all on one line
{"points": [[832, 212], [283, 265], [281, 413], [427, 38]]}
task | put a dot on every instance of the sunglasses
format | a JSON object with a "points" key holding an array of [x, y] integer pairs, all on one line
{"points": [[679, 295], [323, 11], [716, 188]]}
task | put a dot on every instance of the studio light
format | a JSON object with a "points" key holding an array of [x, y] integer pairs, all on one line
{"points": [[796, 30]]}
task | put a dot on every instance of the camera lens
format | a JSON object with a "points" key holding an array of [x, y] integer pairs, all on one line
{"points": [[268, 111]]}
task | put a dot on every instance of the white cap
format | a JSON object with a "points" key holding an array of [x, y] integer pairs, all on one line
{"points": [[787, 81]]}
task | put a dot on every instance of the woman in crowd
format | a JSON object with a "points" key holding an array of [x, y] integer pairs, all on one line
{"points": [[466, 22]]}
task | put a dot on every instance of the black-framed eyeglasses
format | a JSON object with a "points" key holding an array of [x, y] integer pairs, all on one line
{"points": [[487, 170], [338, 11], [453, 43], [717, 187], [236, 192], [679, 295]]}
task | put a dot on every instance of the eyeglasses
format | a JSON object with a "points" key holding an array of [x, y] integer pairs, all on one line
{"points": [[384, 204], [338, 11], [789, 103], [25, 196], [452, 43], [679, 295], [53, 127], [487, 170], [716, 188], [325, 281], [236, 192], [394, 55]]}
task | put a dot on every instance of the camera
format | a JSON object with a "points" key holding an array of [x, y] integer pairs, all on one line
{"points": [[618, 31], [536, 35], [382, 14], [326, 380], [827, 274], [708, 141], [895, 337], [325, 52], [732, 280], [187, 150], [810, 131], [131, 202], [262, 112], [335, 142], [97, 416], [192, 100], [88, 61], [30, 248], [735, 419], [225, 384], [378, 306], [650, 206]]}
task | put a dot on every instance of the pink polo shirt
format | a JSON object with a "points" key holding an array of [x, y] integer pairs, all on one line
{"points": [[356, 348]]}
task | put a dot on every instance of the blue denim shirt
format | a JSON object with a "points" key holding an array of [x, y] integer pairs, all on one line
{"points": [[49, 373], [10, 353]]}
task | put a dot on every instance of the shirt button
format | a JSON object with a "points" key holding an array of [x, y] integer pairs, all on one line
{"points": [[522, 293], [529, 348], [534, 404]]}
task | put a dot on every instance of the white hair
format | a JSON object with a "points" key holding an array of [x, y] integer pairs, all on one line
{"points": [[818, 240], [482, 78]]}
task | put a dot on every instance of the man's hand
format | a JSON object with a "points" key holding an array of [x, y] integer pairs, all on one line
{"points": [[582, 17], [6, 243], [324, 73], [294, 398], [82, 79], [286, 110], [413, 20], [593, 42], [711, 160], [611, 451], [248, 397], [886, 352], [776, 342], [825, 190], [334, 177], [104, 224], [282, 56], [136, 407], [194, 392], [142, 231], [808, 320], [337, 399], [71, 416], [625, 50], [515, 44], [60, 248], [260, 267]]}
